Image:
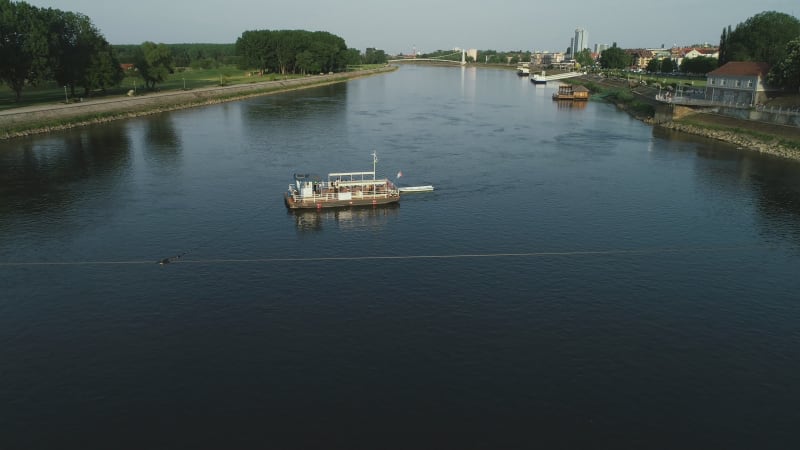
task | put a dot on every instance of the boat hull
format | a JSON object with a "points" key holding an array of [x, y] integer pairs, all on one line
{"points": [[291, 203]]}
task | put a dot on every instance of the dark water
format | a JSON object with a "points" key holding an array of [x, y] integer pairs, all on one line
{"points": [[577, 280]]}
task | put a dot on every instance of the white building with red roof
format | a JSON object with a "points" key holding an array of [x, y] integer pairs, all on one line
{"points": [[738, 83]]}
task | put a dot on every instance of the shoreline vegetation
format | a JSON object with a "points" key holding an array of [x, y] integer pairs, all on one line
{"points": [[29, 120], [777, 140], [780, 141]]}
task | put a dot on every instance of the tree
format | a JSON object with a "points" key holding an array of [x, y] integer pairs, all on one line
{"points": [[667, 65], [615, 58], [584, 58], [374, 56], [654, 65], [786, 73], [23, 46], [761, 38], [154, 63], [307, 63], [79, 54], [700, 65], [280, 51], [352, 57]]}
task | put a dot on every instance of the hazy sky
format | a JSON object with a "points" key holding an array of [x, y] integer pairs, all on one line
{"points": [[401, 25]]}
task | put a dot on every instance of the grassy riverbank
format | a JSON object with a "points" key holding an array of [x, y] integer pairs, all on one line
{"points": [[55, 116]]}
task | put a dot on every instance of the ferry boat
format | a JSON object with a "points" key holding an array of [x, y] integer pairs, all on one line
{"points": [[523, 69], [341, 189]]}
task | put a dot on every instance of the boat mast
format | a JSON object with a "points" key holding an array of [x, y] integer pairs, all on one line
{"points": [[374, 163]]}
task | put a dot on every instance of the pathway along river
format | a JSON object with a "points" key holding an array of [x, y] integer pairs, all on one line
{"points": [[578, 278]]}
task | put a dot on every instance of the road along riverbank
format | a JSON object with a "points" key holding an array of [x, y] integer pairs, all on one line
{"points": [[45, 118]]}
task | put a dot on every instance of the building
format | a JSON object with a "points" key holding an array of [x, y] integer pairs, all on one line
{"points": [[599, 48], [679, 54], [738, 83], [546, 58], [472, 53], [580, 42]]}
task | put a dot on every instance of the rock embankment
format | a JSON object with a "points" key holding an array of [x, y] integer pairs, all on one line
{"points": [[738, 139]]}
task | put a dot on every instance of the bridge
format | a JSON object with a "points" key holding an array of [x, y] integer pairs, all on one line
{"points": [[559, 76], [439, 59]]}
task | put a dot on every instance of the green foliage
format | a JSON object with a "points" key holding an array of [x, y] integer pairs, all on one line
{"points": [[761, 38], [700, 65], [786, 73], [584, 58], [38, 44], [278, 51], [154, 63], [615, 58], [23, 45], [374, 56], [667, 65]]}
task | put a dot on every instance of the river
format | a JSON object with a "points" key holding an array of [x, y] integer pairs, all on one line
{"points": [[577, 278]]}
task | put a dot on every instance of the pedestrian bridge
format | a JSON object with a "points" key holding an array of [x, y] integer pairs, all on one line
{"points": [[559, 76]]}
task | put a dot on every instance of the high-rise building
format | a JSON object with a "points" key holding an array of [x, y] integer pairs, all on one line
{"points": [[580, 42]]}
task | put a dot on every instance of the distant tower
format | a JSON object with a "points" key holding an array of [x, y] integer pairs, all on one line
{"points": [[580, 42]]}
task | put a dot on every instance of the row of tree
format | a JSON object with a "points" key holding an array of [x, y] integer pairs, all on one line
{"points": [[771, 37], [41, 44], [294, 51]]}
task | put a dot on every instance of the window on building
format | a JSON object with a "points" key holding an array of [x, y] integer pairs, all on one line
{"points": [[749, 83], [722, 81], [711, 81], [738, 83]]}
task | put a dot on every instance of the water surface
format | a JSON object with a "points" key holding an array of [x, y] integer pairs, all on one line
{"points": [[577, 279]]}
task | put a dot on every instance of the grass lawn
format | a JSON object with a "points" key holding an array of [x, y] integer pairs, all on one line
{"points": [[187, 78]]}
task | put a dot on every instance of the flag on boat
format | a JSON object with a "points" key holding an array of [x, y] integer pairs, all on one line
{"points": [[399, 174]]}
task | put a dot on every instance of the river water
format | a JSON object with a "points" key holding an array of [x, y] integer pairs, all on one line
{"points": [[577, 278]]}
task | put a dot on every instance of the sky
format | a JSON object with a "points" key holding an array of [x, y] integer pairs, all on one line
{"points": [[403, 26]]}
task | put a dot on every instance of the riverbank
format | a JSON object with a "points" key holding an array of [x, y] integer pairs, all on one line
{"points": [[46, 118], [777, 140]]}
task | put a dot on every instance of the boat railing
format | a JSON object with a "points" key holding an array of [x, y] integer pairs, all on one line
{"points": [[328, 195]]}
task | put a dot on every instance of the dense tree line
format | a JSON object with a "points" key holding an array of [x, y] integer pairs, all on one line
{"points": [[294, 51], [43, 44], [699, 65], [615, 58], [196, 56], [761, 38], [770, 37]]}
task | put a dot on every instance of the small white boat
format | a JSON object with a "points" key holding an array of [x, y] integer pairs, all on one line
{"points": [[408, 189]]}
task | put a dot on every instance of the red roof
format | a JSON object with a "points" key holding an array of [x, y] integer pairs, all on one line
{"points": [[742, 69]]}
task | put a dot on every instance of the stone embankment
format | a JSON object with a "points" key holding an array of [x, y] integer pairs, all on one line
{"points": [[44, 118], [738, 139], [739, 132]]}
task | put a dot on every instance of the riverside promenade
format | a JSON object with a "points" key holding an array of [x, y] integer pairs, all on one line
{"points": [[43, 118]]}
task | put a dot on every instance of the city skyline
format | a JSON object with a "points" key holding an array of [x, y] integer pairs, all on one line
{"points": [[400, 27]]}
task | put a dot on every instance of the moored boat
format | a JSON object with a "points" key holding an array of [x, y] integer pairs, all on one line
{"points": [[569, 92], [341, 189], [423, 188], [539, 78]]}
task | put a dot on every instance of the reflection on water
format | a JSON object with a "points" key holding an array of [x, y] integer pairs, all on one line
{"points": [[40, 174], [163, 141], [569, 104], [366, 217]]}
